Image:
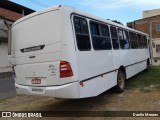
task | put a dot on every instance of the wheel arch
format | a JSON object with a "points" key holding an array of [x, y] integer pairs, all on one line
{"points": [[148, 61]]}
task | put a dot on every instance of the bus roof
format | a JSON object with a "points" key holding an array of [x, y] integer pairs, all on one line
{"points": [[57, 7], [78, 12]]}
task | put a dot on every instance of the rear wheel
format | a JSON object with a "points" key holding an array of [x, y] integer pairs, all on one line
{"points": [[147, 66], [121, 77]]}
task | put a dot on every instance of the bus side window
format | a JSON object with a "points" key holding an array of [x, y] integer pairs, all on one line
{"points": [[124, 39], [100, 36], [114, 36], [82, 34], [140, 41], [105, 33], [145, 42], [133, 40]]}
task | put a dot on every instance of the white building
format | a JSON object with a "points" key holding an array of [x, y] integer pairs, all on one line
{"points": [[5, 66], [9, 13]]}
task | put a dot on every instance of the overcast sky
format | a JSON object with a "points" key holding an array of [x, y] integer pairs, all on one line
{"points": [[121, 10]]}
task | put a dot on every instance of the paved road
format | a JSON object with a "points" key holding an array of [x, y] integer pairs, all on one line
{"points": [[7, 88]]}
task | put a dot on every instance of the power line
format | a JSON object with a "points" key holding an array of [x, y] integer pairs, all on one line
{"points": [[37, 2]]}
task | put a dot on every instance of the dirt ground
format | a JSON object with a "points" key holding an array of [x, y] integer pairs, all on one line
{"points": [[129, 100]]}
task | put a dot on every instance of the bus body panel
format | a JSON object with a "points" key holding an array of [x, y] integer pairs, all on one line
{"points": [[98, 85], [93, 71], [129, 59], [52, 54], [37, 31], [69, 90], [136, 68], [90, 64], [34, 63], [48, 72], [68, 42]]}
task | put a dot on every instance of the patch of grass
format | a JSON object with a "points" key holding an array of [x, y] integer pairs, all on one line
{"points": [[146, 90], [145, 79], [158, 87], [5, 99]]}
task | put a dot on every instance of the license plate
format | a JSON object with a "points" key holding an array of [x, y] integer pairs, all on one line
{"points": [[36, 81], [37, 89]]}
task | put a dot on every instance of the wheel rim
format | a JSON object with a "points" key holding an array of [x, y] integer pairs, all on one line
{"points": [[121, 80]]}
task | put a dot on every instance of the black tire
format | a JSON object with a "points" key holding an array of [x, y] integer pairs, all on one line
{"points": [[147, 66], [121, 77]]}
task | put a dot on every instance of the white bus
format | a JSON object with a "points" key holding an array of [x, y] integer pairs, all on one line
{"points": [[66, 53]]}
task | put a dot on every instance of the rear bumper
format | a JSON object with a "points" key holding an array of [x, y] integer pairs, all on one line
{"points": [[69, 90]]}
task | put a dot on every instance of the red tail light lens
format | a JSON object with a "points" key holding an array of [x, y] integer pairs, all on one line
{"points": [[65, 69]]}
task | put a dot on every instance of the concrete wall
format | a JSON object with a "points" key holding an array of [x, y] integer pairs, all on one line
{"points": [[150, 13], [9, 12], [156, 51], [3, 31], [5, 66], [150, 26], [6, 16]]}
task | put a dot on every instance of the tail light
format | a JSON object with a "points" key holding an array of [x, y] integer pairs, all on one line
{"points": [[65, 69]]}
